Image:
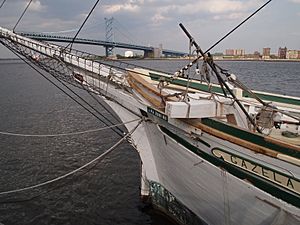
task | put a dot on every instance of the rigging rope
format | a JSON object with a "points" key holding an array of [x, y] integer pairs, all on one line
{"points": [[2, 3], [225, 36], [210, 62], [83, 100], [100, 103], [75, 100], [82, 25], [240, 24], [22, 15], [65, 134], [76, 170], [119, 131]]}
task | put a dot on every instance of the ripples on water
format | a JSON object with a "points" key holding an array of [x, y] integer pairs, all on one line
{"points": [[108, 194]]}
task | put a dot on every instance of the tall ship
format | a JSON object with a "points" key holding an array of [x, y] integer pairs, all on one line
{"points": [[211, 153]]}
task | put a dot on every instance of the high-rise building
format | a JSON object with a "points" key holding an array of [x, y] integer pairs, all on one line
{"points": [[239, 52], [266, 51], [229, 52], [282, 53], [235, 52], [292, 54]]}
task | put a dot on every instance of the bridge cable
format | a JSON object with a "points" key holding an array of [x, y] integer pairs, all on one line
{"points": [[71, 30], [93, 162], [82, 25], [22, 15], [120, 133], [2, 3], [129, 35]]}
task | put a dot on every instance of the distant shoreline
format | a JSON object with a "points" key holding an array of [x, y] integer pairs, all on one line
{"points": [[260, 60], [220, 59], [215, 58]]}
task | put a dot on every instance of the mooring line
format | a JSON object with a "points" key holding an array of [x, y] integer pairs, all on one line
{"points": [[66, 134], [76, 170]]}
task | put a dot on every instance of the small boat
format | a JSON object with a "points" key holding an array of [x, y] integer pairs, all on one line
{"points": [[210, 153]]}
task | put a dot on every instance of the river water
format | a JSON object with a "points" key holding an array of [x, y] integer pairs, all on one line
{"points": [[109, 192]]}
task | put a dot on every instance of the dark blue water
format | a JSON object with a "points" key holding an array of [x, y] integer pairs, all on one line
{"points": [[107, 194]]}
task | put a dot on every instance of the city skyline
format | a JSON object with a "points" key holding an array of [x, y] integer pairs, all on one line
{"points": [[282, 53], [241, 51], [153, 22]]}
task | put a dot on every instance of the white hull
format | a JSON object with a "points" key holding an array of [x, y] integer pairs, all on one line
{"points": [[211, 193]]}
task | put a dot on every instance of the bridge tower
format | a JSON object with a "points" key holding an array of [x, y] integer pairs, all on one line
{"points": [[109, 35]]}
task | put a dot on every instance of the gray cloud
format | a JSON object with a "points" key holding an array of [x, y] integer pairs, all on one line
{"points": [[156, 21]]}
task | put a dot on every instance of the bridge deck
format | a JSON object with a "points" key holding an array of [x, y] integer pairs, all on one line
{"points": [[55, 38]]}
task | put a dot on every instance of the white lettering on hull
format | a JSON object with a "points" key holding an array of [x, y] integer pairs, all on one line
{"points": [[276, 177]]}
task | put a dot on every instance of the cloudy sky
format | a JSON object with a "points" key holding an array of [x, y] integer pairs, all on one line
{"points": [[154, 22]]}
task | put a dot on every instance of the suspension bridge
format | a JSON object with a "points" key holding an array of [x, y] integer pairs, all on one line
{"points": [[108, 45]]}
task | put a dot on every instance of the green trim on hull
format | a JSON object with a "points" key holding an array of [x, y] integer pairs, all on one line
{"points": [[260, 183], [183, 83], [250, 137], [217, 89], [274, 98]]}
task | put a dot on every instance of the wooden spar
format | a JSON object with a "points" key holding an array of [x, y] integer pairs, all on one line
{"points": [[281, 143], [152, 94], [230, 138], [220, 79]]}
